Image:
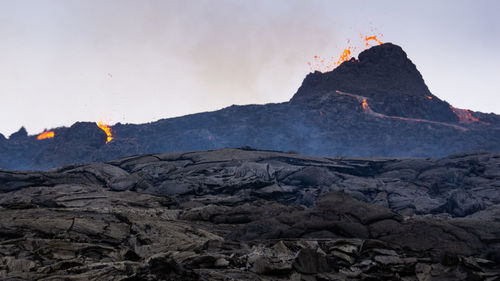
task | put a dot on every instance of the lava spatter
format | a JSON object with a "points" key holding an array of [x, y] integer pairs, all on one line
{"points": [[106, 129], [322, 64], [46, 135]]}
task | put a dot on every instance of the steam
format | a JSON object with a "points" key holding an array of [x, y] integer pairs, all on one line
{"points": [[235, 49], [139, 61]]}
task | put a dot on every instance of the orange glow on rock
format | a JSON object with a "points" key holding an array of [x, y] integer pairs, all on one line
{"points": [[45, 135], [365, 105], [465, 117], [369, 111], [106, 129]]}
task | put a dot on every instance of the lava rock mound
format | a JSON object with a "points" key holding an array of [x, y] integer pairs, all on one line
{"points": [[389, 80]]}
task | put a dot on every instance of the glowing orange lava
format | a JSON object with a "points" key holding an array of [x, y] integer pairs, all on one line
{"points": [[369, 111], [324, 65], [368, 38], [45, 135], [365, 105], [346, 55], [106, 129], [465, 117]]}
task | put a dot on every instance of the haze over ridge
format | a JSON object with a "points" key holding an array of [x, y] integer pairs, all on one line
{"points": [[69, 61]]}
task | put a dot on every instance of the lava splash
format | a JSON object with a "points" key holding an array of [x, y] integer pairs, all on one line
{"points": [[324, 65], [106, 129]]}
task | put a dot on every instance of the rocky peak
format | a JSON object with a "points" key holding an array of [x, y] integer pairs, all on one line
{"points": [[87, 132], [387, 78], [20, 134], [387, 54]]}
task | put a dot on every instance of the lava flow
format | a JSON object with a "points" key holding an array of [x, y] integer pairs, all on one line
{"points": [[45, 135], [106, 129], [367, 109], [365, 105], [465, 117]]}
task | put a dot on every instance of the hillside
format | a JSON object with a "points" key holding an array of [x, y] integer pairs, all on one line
{"points": [[377, 105]]}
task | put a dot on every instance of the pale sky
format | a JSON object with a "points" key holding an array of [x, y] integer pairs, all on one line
{"points": [[63, 61]]}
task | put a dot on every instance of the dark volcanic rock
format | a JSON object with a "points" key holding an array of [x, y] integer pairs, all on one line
{"points": [[383, 108], [19, 135], [389, 80], [85, 132], [235, 214]]}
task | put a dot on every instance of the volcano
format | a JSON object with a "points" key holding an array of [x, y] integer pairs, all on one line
{"points": [[376, 105], [389, 80], [254, 214]]}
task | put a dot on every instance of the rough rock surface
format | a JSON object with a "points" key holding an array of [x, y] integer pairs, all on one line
{"points": [[235, 214], [404, 120]]}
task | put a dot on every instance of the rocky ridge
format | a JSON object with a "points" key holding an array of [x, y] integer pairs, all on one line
{"points": [[405, 120], [243, 214]]}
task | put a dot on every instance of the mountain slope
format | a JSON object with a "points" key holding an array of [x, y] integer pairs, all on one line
{"points": [[378, 105], [389, 80]]}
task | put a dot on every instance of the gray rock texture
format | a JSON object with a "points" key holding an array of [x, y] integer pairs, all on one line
{"points": [[235, 214]]}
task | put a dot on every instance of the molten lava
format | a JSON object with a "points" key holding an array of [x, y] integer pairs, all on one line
{"points": [[45, 135], [368, 110], [365, 105], [465, 117], [324, 65], [368, 38], [106, 129], [346, 55]]}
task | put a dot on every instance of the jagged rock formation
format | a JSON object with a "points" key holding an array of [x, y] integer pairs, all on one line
{"points": [[236, 214], [404, 120], [21, 134]]}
